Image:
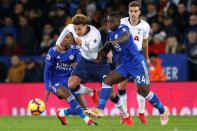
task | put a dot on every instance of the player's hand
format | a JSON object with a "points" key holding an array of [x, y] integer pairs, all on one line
{"points": [[148, 61], [60, 49], [78, 41], [110, 57], [112, 42], [47, 93]]}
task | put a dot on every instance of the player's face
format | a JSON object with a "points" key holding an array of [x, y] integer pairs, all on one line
{"points": [[134, 13], [112, 23], [80, 30], [68, 39]]}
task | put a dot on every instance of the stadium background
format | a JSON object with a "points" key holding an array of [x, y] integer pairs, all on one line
{"points": [[33, 27]]}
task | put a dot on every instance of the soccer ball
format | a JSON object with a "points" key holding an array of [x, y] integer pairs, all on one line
{"points": [[36, 106]]}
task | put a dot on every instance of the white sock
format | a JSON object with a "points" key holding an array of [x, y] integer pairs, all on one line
{"points": [[86, 119], [141, 103], [124, 100], [122, 108], [85, 91], [61, 113]]}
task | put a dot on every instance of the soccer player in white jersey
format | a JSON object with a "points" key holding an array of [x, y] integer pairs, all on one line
{"points": [[140, 32], [88, 38]]}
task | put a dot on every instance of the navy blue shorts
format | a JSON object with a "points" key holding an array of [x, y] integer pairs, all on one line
{"points": [[86, 69]]}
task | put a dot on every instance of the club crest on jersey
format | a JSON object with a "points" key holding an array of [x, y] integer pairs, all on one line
{"points": [[48, 57], [116, 36], [71, 57]]}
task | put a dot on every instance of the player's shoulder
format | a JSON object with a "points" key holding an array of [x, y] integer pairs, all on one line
{"points": [[94, 30], [144, 24], [70, 26], [123, 27], [124, 20], [53, 50]]}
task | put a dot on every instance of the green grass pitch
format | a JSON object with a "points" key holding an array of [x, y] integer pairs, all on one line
{"points": [[181, 123]]}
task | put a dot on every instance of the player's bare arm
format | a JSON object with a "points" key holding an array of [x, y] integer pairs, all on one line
{"points": [[103, 52], [124, 38], [145, 50]]}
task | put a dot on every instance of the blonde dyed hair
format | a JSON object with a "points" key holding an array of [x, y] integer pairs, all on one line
{"points": [[79, 19]]}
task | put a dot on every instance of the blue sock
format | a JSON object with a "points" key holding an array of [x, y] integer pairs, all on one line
{"points": [[104, 95], [82, 115], [122, 92], [75, 108], [153, 99]]}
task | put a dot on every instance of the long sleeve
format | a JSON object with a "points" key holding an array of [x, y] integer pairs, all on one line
{"points": [[63, 34], [47, 73]]}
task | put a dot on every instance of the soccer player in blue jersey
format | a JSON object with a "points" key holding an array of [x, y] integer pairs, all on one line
{"points": [[58, 69], [88, 38], [133, 64]]}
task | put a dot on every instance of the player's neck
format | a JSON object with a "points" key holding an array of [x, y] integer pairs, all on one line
{"points": [[134, 22]]}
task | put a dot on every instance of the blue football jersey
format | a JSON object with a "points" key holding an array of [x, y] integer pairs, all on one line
{"points": [[61, 63], [127, 51]]}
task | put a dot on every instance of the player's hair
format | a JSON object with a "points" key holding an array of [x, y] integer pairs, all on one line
{"points": [[115, 14], [79, 19], [135, 4]]}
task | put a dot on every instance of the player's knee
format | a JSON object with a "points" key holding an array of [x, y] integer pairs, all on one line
{"points": [[72, 85], [62, 93], [144, 93], [74, 82]]}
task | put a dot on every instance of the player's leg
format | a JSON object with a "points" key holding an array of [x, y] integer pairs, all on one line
{"points": [[100, 71], [82, 102], [141, 105], [75, 108], [122, 91], [94, 93], [113, 78], [123, 96], [80, 74], [143, 88], [119, 104]]}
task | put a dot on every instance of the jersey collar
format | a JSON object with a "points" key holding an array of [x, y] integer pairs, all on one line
{"points": [[136, 24]]}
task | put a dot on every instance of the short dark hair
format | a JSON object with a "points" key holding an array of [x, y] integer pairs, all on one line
{"points": [[135, 4], [79, 19], [115, 14]]}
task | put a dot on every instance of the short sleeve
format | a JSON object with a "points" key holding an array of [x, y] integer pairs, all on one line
{"points": [[146, 32], [50, 58], [77, 56]]}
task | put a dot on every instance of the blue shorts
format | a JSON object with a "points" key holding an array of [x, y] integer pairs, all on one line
{"points": [[88, 69], [138, 71], [55, 85]]}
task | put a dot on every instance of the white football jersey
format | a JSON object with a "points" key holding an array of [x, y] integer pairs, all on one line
{"points": [[139, 32], [91, 42]]}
